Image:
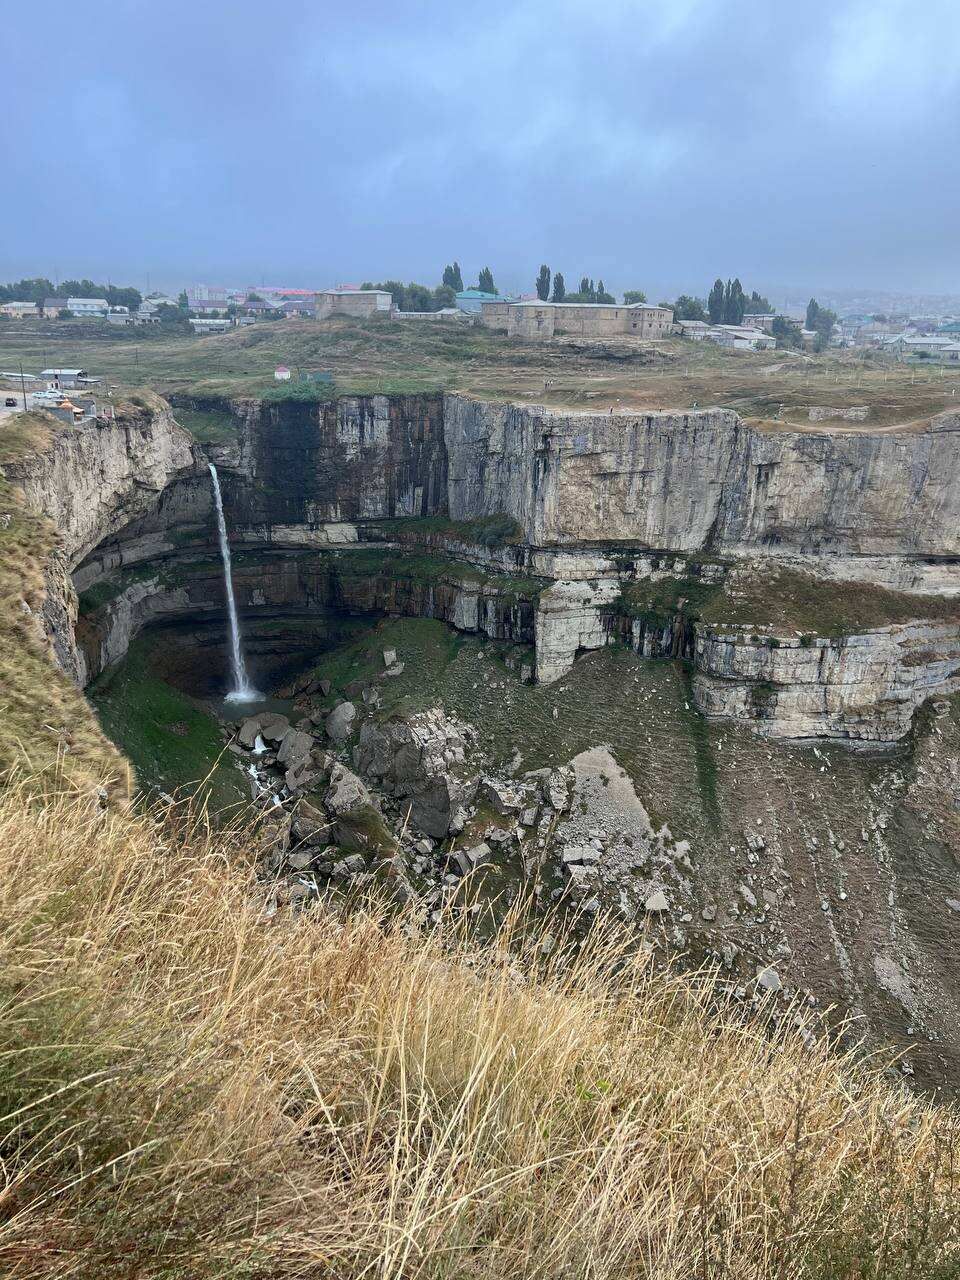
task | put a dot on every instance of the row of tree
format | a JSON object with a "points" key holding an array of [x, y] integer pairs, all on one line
{"points": [[588, 291], [39, 288], [420, 297], [728, 304]]}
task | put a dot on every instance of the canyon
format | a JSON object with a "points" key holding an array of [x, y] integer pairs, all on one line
{"points": [[563, 532], [673, 629]]}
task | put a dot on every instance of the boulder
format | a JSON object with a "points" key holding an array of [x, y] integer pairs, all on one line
{"points": [[389, 657], [502, 798], [576, 855], [339, 724], [345, 793], [273, 726], [555, 791], [295, 747], [409, 759], [249, 732]]}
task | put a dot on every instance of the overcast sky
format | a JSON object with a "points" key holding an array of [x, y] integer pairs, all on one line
{"points": [[655, 145]]}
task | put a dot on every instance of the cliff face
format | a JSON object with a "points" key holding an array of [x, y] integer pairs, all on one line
{"points": [[90, 483], [184, 586], [301, 465], [301, 478], [706, 481]]}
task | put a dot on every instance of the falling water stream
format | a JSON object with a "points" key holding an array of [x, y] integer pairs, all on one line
{"points": [[242, 690]]}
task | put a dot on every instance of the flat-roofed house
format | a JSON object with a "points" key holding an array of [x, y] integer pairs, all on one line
{"points": [[19, 310], [354, 302], [88, 308], [537, 319], [61, 379]]}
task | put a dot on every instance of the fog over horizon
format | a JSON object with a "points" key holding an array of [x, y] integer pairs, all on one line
{"points": [[655, 147]]}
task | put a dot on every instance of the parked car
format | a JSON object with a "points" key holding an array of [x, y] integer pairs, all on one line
{"points": [[10, 402]]}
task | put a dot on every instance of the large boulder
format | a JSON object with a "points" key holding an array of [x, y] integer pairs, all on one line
{"points": [[273, 726], [295, 747], [419, 759]]}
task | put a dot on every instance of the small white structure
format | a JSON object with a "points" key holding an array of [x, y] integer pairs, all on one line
{"points": [[210, 326], [281, 373]]}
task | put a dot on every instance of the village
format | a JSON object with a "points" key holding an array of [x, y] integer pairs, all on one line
{"points": [[204, 309]]}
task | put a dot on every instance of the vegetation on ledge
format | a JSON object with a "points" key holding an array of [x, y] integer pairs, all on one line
{"points": [[485, 531], [787, 600]]}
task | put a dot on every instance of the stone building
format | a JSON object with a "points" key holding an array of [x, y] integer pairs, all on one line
{"points": [[583, 319], [353, 302]]}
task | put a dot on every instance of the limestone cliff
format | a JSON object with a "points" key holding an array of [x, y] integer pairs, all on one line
{"points": [[706, 481], [90, 483]]}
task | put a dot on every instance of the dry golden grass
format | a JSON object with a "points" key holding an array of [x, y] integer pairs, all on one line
{"points": [[44, 716], [194, 1085]]}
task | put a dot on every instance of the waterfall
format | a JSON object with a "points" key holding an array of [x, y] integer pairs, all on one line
{"points": [[242, 690]]}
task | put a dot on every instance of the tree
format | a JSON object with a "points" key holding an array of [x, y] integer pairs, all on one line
{"points": [[785, 333], [823, 321], [757, 304], [603, 296], [452, 278], [687, 308], [630, 296], [34, 290], [183, 302], [485, 281], [543, 283], [715, 302], [130, 298], [813, 308], [559, 288], [444, 295], [733, 303]]}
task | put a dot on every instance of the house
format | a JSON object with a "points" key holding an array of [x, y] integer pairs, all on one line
{"points": [[759, 320], [471, 300], [695, 329], [353, 302], [150, 306], [298, 307], [62, 379], [257, 306], [209, 306], [19, 310], [281, 373], [538, 319], [740, 337], [88, 308], [923, 345]]}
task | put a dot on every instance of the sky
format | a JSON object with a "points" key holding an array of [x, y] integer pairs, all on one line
{"points": [[653, 145]]}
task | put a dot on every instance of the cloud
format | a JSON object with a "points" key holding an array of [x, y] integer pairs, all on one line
{"points": [[656, 144]]}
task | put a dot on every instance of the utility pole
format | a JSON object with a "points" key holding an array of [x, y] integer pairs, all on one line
{"points": [[23, 387]]}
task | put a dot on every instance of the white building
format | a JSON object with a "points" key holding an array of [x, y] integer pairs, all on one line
{"points": [[61, 379], [210, 326], [740, 338], [89, 308]]}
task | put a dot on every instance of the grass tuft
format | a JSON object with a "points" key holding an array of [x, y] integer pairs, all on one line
{"points": [[194, 1083]]}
